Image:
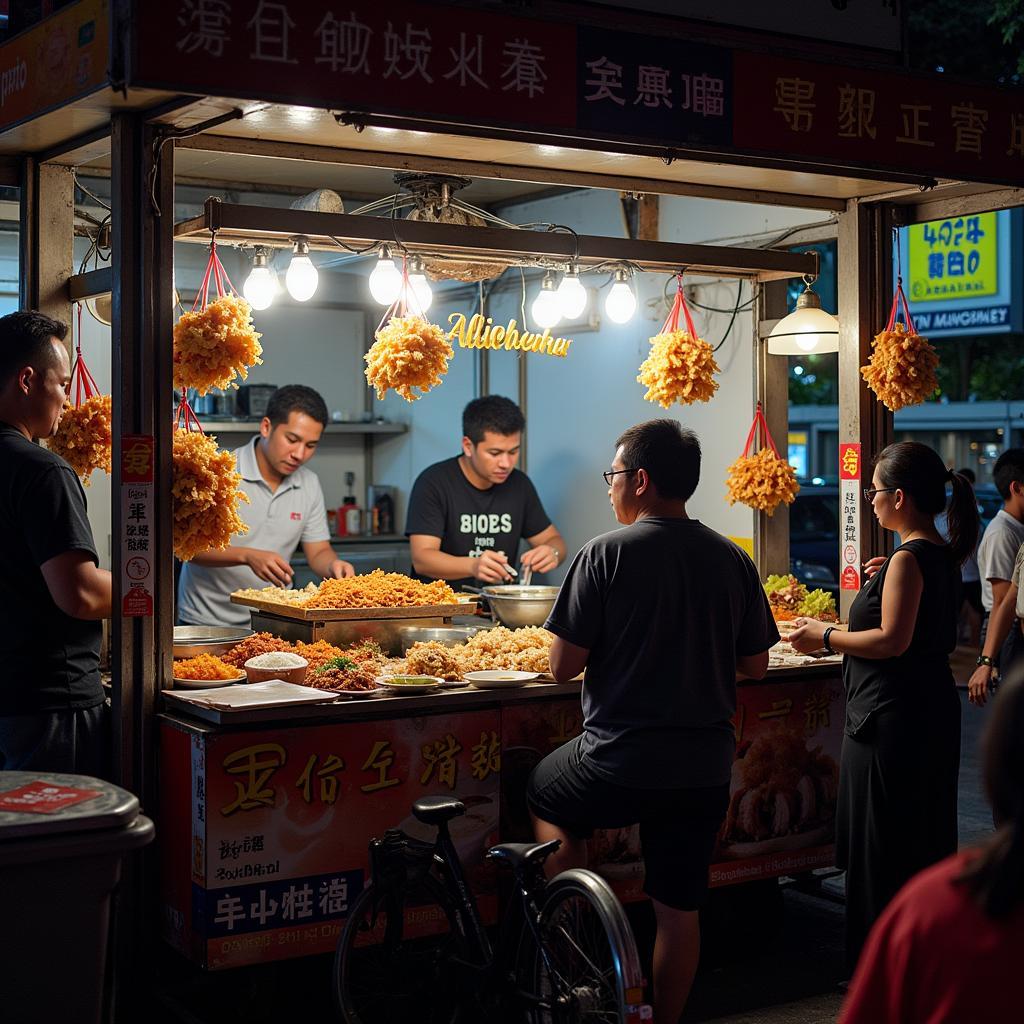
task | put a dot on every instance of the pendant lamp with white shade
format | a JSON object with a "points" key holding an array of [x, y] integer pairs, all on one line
{"points": [[808, 329]]}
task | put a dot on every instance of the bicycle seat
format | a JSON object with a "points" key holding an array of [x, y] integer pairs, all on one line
{"points": [[434, 810], [515, 855]]}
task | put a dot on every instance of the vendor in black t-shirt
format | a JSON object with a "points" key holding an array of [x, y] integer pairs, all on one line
{"points": [[52, 593], [467, 515]]}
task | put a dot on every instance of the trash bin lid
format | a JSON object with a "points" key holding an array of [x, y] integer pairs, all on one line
{"points": [[36, 804]]}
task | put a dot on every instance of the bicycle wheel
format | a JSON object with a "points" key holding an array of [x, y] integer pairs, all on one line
{"points": [[585, 968], [384, 976]]}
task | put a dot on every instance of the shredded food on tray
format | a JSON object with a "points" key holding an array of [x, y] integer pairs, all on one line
{"points": [[432, 658], [523, 650], [277, 595], [380, 589], [83, 437], [255, 645], [317, 653], [205, 666]]}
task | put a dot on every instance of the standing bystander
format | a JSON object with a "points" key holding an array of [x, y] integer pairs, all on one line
{"points": [[52, 711], [664, 615]]}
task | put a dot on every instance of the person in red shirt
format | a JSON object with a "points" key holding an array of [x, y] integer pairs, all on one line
{"points": [[949, 945]]}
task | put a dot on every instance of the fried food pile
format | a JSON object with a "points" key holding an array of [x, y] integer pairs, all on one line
{"points": [[433, 659], [523, 650], [409, 353], [902, 368], [215, 345], [380, 589], [680, 368], [342, 674], [763, 481], [255, 645], [83, 438], [205, 495], [205, 666], [278, 595]]}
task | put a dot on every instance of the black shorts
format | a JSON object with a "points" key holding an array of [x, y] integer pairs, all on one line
{"points": [[678, 827]]}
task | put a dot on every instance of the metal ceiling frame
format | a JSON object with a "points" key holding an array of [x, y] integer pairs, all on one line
{"points": [[325, 231]]}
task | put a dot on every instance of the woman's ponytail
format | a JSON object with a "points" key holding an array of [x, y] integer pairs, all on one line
{"points": [[963, 521]]}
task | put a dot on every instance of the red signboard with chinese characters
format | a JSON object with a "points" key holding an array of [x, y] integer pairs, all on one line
{"points": [[470, 66], [281, 819], [858, 117], [849, 516], [266, 831]]}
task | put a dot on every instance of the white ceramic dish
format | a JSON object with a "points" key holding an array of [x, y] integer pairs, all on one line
{"points": [[427, 685], [205, 684], [500, 679]]}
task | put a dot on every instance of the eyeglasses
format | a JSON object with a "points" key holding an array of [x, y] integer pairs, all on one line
{"points": [[609, 473], [870, 492]]}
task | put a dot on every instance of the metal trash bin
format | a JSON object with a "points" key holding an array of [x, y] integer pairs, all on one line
{"points": [[60, 864]]}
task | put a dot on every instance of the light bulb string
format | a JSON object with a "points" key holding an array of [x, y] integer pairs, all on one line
{"points": [[85, 384], [762, 423], [679, 306], [900, 296]]}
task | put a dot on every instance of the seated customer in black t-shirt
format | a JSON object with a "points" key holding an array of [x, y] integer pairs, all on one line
{"points": [[664, 616], [467, 515], [53, 596]]}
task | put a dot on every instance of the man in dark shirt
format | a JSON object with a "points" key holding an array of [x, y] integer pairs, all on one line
{"points": [[467, 515], [52, 593], [664, 615]]}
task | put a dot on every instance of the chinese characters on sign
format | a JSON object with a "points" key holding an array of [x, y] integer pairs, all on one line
{"points": [[953, 259], [137, 520], [849, 516]]}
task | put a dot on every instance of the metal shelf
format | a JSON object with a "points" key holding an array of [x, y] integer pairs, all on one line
{"points": [[215, 426]]}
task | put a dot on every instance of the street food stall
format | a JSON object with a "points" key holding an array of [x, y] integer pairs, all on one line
{"points": [[263, 812]]}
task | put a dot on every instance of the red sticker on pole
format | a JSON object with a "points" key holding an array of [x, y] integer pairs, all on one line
{"points": [[849, 516], [137, 525]]}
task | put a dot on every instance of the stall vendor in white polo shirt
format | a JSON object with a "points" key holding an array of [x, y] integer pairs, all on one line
{"points": [[286, 509]]}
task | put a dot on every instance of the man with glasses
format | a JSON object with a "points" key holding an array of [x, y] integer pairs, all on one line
{"points": [[664, 616], [53, 595]]}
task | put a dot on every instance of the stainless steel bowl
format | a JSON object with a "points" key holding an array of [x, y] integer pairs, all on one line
{"points": [[190, 641], [450, 636], [517, 606]]}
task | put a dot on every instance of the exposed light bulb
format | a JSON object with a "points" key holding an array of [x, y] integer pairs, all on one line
{"points": [[546, 309], [620, 305], [385, 279], [422, 293], [260, 286], [572, 296], [302, 277]]}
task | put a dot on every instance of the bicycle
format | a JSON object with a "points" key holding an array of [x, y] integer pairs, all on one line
{"points": [[564, 951]]}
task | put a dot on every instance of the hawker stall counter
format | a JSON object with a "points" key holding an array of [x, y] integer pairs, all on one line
{"points": [[266, 823]]}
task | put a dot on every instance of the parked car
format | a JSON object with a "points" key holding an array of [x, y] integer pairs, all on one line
{"points": [[814, 537]]}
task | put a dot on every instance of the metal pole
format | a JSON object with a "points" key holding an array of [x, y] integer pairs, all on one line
{"points": [[865, 289], [771, 386]]}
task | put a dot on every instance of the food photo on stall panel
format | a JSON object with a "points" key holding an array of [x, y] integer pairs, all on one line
{"points": [[285, 509]]}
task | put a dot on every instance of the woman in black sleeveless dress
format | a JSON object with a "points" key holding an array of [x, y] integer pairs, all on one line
{"points": [[897, 806]]}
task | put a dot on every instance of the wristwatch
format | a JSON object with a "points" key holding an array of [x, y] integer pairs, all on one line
{"points": [[984, 659]]}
